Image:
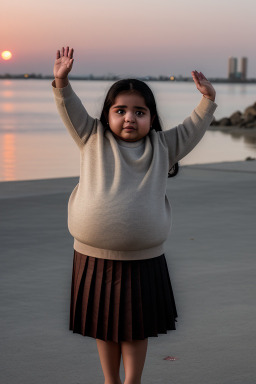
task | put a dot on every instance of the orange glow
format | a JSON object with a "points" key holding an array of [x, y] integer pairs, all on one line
{"points": [[8, 107], [6, 55]]}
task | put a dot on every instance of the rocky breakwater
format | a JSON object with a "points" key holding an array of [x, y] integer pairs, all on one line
{"points": [[247, 119]]}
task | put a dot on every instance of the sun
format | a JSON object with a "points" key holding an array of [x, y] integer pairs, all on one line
{"points": [[6, 55]]}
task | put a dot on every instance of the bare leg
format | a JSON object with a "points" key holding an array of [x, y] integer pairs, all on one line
{"points": [[110, 356], [134, 355]]}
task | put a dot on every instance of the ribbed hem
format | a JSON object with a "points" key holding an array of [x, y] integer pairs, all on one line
{"points": [[206, 106], [118, 255], [62, 92]]}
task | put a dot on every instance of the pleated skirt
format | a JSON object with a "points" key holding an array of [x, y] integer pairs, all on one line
{"points": [[117, 301]]}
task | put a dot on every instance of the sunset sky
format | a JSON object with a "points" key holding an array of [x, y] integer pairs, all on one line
{"points": [[135, 37]]}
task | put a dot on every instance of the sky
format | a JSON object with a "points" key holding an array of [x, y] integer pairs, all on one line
{"points": [[129, 38]]}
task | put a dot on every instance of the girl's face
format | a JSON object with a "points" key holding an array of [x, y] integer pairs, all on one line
{"points": [[129, 118]]}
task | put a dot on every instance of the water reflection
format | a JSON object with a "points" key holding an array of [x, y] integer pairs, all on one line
{"points": [[34, 143], [239, 89], [248, 136], [8, 154], [7, 83], [7, 107], [7, 94]]}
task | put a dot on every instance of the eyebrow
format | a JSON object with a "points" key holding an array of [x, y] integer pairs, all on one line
{"points": [[125, 106]]}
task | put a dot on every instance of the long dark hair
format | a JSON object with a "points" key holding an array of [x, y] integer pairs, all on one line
{"points": [[134, 85], [131, 85]]}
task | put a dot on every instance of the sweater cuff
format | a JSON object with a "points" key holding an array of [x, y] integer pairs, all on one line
{"points": [[206, 106], [62, 93]]}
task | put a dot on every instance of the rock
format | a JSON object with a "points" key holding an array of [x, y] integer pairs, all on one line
{"points": [[248, 120], [251, 110], [251, 125], [215, 122], [225, 122], [236, 118]]}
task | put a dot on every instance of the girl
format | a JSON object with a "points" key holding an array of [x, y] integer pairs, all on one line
{"points": [[119, 215]]}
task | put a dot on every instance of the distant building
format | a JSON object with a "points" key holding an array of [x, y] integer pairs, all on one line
{"points": [[232, 68], [244, 64], [233, 73]]}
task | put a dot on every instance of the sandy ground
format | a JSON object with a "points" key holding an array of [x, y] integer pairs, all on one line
{"points": [[211, 259]]}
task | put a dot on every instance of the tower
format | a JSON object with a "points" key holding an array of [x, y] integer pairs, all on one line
{"points": [[244, 63], [232, 68]]}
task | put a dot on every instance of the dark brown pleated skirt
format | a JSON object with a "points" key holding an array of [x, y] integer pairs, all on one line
{"points": [[121, 300]]}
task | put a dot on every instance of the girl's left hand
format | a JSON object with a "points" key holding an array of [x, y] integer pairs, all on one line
{"points": [[204, 85]]}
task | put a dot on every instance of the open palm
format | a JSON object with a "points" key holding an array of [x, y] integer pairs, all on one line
{"points": [[63, 63], [203, 85]]}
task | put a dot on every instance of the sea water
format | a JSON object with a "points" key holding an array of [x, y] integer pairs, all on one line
{"points": [[34, 143]]}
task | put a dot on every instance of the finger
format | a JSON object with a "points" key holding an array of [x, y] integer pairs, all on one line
{"points": [[66, 51], [196, 78], [71, 52], [196, 74], [62, 51], [203, 76], [58, 55], [199, 75]]}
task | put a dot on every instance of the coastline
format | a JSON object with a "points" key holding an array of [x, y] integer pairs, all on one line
{"points": [[235, 131], [230, 128], [55, 185]]}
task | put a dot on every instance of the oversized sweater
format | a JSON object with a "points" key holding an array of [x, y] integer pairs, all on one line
{"points": [[119, 209]]}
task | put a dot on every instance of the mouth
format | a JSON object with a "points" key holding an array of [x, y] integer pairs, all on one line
{"points": [[129, 128]]}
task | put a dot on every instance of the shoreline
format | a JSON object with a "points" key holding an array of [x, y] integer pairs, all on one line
{"points": [[234, 130], [161, 78], [249, 137], [51, 186]]}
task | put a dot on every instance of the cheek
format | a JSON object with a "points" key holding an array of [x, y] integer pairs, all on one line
{"points": [[147, 124], [111, 121], [114, 118]]}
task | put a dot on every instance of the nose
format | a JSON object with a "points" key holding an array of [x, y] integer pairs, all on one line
{"points": [[129, 117]]}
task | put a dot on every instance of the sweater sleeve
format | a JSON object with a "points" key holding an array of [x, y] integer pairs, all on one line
{"points": [[184, 137], [75, 117]]}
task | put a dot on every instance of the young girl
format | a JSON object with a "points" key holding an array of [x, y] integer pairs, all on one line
{"points": [[119, 215]]}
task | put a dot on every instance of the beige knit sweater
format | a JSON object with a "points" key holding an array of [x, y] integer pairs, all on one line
{"points": [[119, 209]]}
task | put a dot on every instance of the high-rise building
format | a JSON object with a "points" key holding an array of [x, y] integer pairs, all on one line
{"points": [[244, 63], [232, 68], [233, 73]]}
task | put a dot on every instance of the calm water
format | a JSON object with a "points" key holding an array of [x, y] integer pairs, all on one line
{"points": [[34, 143]]}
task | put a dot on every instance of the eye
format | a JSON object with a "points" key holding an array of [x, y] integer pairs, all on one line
{"points": [[139, 113], [120, 111]]}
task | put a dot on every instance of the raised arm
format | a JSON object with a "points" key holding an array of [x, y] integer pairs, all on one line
{"points": [[183, 138], [75, 117]]}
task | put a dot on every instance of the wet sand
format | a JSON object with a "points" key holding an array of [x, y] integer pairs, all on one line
{"points": [[211, 259]]}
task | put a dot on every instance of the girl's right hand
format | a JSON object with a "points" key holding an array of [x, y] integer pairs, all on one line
{"points": [[63, 63]]}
